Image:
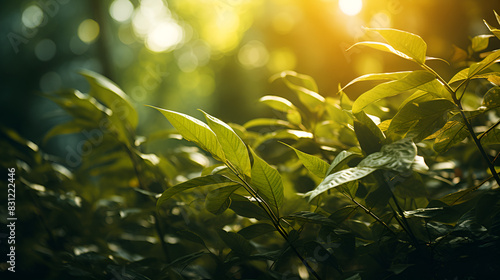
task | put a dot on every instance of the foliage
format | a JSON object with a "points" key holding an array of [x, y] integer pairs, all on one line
{"points": [[397, 184]]}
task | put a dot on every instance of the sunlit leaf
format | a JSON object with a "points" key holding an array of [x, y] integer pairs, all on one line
{"points": [[267, 122], [419, 120], [338, 178], [217, 201], [407, 43], [424, 212], [234, 148], [216, 180], [340, 160], [408, 82], [378, 77], [305, 87], [267, 181], [196, 131], [314, 164], [370, 137], [480, 42], [494, 30], [453, 132], [491, 99], [278, 103], [484, 64]]}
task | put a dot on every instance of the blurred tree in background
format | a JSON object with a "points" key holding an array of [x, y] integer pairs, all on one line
{"points": [[216, 55]]}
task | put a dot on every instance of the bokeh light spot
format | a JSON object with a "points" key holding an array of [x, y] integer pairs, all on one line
{"points": [[253, 55], [164, 37], [45, 50], [121, 10], [32, 16], [350, 7], [50, 81], [88, 30]]}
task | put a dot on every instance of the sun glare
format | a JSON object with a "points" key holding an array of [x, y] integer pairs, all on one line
{"points": [[350, 7]]}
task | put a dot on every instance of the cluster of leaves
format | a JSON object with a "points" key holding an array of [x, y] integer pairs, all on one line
{"points": [[329, 189]]}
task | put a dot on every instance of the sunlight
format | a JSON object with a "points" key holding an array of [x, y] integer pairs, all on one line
{"points": [[350, 7]]}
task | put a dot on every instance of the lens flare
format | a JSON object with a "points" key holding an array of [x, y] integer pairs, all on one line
{"points": [[350, 7]]}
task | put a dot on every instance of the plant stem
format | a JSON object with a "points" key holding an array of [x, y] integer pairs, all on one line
{"points": [[274, 219], [466, 121]]}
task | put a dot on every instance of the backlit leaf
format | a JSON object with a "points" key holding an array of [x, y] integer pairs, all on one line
{"points": [[305, 87], [196, 131], [267, 182], [408, 82], [407, 43], [232, 145], [278, 103], [217, 201], [480, 42], [314, 164]]}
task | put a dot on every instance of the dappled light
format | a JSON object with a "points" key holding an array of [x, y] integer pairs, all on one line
{"points": [[250, 139]]}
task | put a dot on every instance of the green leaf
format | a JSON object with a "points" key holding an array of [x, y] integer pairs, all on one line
{"points": [[267, 182], [278, 103], [338, 178], [217, 201], [424, 212], [112, 97], [370, 137], [191, 236], [216, 180], [377, 77], [483, 64], [196, 131], [411, 81], [256, 230], [267, 122], [453, 132], [314, 164], [234, 149], [406, 43], [480, 42], [305, 87], [73, 126], [491, 99], [236, 242], [245, 208], [340, 160], [311, 217], [494, 30], [492, 138], [419, 120], [398, 156]]}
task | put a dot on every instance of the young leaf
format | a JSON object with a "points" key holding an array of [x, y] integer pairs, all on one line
{"points": [[305, 87], [196, 131], [314, 164], [480, 42], [483, 64], [339, 160], [338, 178], [217, 201], [370, 137], [267, 181], [311, 217], [112, 97], [278, 103], [216, 180], [409, 44], [232, 145], [494, 30], [378, 77], [419, 120], [408, 82], [236, 242]]}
